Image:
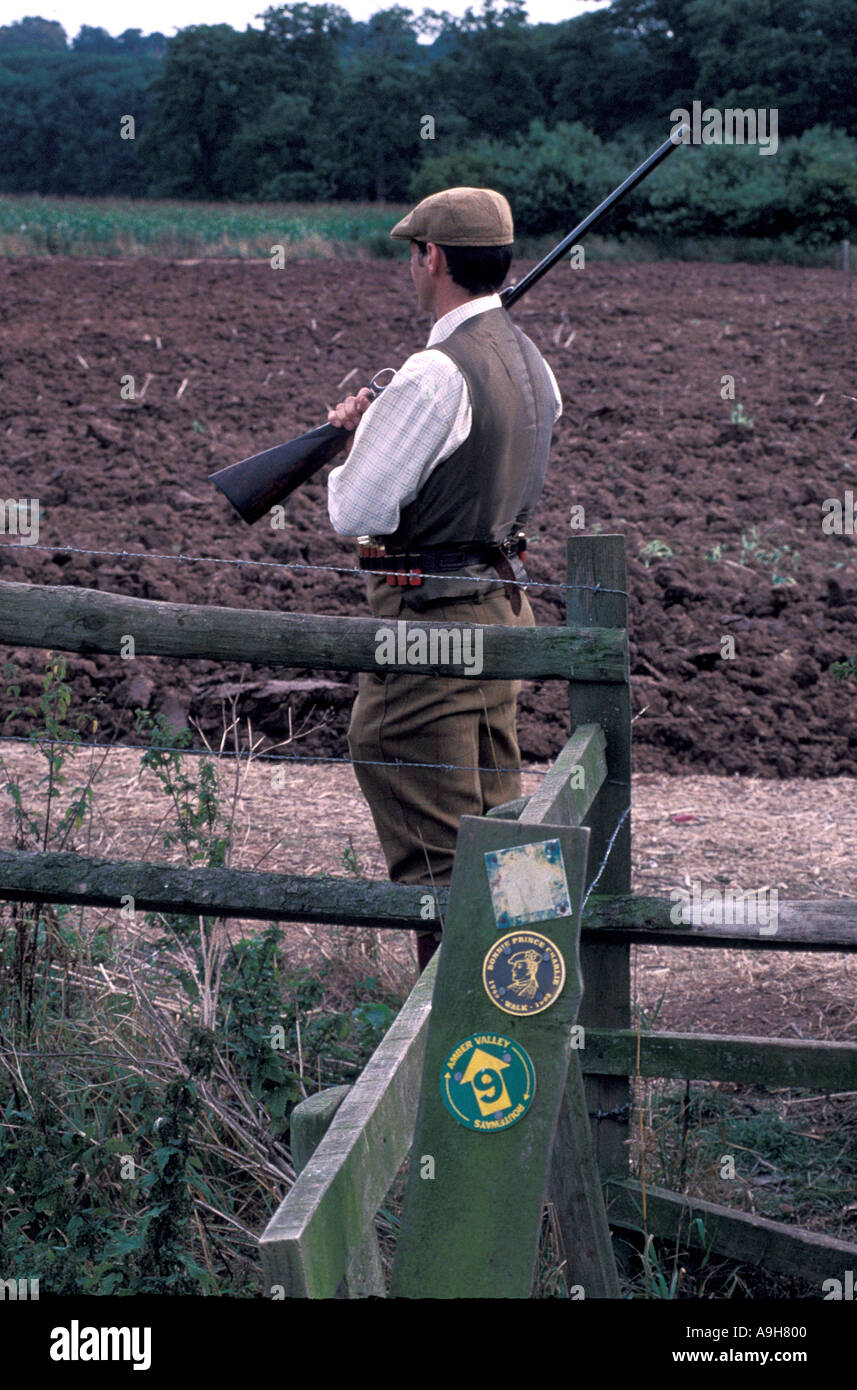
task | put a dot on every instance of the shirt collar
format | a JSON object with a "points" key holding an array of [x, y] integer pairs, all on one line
{"points": [[450, 321]]}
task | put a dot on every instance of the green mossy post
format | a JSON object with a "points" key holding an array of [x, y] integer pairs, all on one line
{"points": [[471, 1229], [566, 795], [309, 1123], [597, 565], [308, 1246]]}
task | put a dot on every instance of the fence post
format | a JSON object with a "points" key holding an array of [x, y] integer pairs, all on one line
{"points": [[598, 564]]}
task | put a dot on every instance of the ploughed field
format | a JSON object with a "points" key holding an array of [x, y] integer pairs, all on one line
{"points": [[721, 499]]}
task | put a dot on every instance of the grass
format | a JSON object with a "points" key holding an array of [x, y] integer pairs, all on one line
{"points": [[33, 225]]}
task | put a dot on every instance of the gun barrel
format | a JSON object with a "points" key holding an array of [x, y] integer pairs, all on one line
{"points": [[514, 292], [256, 484]]}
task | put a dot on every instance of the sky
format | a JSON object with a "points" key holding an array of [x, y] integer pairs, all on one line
{"points": [[168, 15]]}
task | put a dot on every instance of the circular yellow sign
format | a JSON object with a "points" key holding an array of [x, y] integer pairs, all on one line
{"points": [[523, 973], [488, 1082]]}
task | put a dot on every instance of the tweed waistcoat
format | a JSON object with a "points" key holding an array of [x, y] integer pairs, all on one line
{"points": [[491, 483]]}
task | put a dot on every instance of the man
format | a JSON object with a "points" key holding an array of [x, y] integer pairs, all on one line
{"points": [[443, 469]]}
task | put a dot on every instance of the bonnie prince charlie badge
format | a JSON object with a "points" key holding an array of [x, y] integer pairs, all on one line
{"points": [[523, 973]]}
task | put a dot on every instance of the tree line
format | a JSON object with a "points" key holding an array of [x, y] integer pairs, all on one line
{"points": [[315, 105]]}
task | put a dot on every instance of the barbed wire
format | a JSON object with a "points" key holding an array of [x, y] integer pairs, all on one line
{"points": [[283, 757], [621, 821], [262, 753], [301, 565]]}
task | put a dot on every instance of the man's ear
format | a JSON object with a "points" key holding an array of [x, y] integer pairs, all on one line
{"points": [[437, 259]]}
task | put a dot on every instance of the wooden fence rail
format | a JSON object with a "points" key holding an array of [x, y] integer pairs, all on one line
{"points": [[812, 924], [87, 620]]}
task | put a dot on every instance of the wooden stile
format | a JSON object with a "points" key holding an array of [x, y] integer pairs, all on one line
{"points": [[470, 1229]]}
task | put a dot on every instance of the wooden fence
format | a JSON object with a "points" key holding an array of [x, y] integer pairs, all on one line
{"points": [[350, 1143]]}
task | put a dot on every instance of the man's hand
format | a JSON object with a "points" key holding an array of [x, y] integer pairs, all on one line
{"points": [[347, 414]]}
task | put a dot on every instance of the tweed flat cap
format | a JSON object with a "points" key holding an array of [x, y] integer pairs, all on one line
{"points": [[459, 217]]}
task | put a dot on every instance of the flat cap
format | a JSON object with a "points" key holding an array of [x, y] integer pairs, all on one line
{"points": [[459, 217]]}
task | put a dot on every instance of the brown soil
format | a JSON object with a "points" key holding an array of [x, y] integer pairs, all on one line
{"points": [[645, 445]]}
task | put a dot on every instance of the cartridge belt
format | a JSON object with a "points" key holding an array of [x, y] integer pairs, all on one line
{"points": [[408, 567]]}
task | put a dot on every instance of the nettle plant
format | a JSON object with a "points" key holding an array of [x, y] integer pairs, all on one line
{"points": [[56, 738]]}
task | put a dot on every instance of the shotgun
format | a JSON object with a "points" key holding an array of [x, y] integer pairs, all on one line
{"points": [[256, 484]]}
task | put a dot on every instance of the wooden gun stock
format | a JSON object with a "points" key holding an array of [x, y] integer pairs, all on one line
{"points": [[258, 483]]}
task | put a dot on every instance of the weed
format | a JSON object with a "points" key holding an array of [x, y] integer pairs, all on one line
{"points": [[143, 1126], [843, 670], [350, 860], [768, 555], [758, 549], [655, 550]]}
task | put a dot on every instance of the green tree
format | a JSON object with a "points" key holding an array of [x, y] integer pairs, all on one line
{"points": [[273, 155], [551, 177], [485, 70], [307, 39], [60, 123], [375, 123], [797, 56], [34, 33], [94, 40], [391, 33], [286, 146], [213, 81], [384, 141], [821, 183]]}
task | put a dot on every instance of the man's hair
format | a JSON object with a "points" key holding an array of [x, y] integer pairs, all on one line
{"points": [[477, 269]]}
